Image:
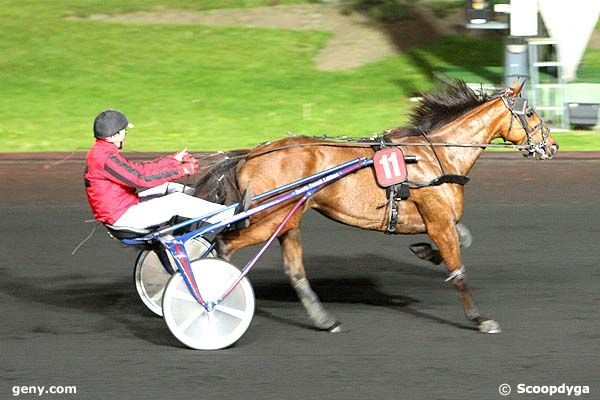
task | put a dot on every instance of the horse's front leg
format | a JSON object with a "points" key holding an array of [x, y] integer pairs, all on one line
{"points": [[426, 252], [446, 237], [291, 247]]}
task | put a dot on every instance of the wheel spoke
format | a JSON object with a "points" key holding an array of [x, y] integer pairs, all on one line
{"points": [[211, 322], [184, 295], [239, 314], [190, 320]]}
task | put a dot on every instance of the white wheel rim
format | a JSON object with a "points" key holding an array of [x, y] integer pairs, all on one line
{"points": [[151, 277], [197, 328]]}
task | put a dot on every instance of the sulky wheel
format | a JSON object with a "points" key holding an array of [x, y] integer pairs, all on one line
{"points": [[151, 277], [198, 328]]}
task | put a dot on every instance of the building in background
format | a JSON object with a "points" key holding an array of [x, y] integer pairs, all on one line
{"points": [[545, 42]]}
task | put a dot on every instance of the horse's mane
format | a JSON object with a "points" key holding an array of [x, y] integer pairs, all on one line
{"points": [[438, 108]]}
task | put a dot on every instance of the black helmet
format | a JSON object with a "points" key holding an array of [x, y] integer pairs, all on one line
{"points": [[109, 122]]}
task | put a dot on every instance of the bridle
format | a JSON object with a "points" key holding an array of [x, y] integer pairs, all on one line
{"points": [[521, 110]]}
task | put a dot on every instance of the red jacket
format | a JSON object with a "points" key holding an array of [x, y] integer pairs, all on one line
{"points": [[111, 180]]}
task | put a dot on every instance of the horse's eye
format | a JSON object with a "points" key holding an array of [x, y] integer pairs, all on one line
{"points": [[529, 112]]}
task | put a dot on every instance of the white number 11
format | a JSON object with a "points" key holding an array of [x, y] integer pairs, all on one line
{"points": [[392, 160]]}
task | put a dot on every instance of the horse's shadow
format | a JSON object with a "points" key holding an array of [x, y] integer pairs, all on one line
{"points": [[356, 281], [343, 280]]}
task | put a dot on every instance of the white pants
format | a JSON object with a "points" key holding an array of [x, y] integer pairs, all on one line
{"points": [[157, 210], [165, 188]]}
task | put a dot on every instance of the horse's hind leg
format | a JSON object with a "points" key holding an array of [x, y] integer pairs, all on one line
{"points": [[229, 243], [446, 237], [291, 247]]}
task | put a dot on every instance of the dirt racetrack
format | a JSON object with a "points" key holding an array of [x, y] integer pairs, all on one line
{"points": [[533, 266]]}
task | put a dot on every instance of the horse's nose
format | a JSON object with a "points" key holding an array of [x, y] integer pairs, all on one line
{"points": [[550, 151]]}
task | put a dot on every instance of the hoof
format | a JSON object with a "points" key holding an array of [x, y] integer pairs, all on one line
{"points": [[326, 323], [335, 328], [489, 326], [466, 239], [426, 252]]}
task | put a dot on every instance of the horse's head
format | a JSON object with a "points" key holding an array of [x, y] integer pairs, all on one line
{"points": [[526, 127]]}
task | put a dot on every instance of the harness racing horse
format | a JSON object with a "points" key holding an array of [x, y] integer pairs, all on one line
{"points": [[449, 132]]}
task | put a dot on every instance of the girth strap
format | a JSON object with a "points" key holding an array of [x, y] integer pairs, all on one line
{"points": [[401, 191], [392, 211]]}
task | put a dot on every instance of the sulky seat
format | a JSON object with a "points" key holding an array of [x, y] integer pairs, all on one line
{"points": [[124, 232]]}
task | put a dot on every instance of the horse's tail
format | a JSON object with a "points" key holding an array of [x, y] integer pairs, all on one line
{"points": [[218, 183]]}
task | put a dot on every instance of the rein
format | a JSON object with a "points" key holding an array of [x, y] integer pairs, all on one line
{"points": [[357, 144]]}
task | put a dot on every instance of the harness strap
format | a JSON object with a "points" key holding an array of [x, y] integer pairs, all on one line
{"points": [[401, 190], [394, 193], [440, 180], [392, 210]]}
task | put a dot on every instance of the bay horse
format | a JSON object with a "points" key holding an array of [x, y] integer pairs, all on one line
{"points": [[449, 131]]}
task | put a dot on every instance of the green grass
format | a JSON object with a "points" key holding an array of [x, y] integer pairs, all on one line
{"points": [[205, 88], [589, 70], [578, 141], [570, 141]]}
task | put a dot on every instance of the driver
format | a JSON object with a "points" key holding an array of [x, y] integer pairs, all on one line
{"points": [[111, 181]]}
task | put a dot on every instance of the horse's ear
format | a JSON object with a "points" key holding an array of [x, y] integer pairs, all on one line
{"points": [[509, 91], [517, 89]]}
